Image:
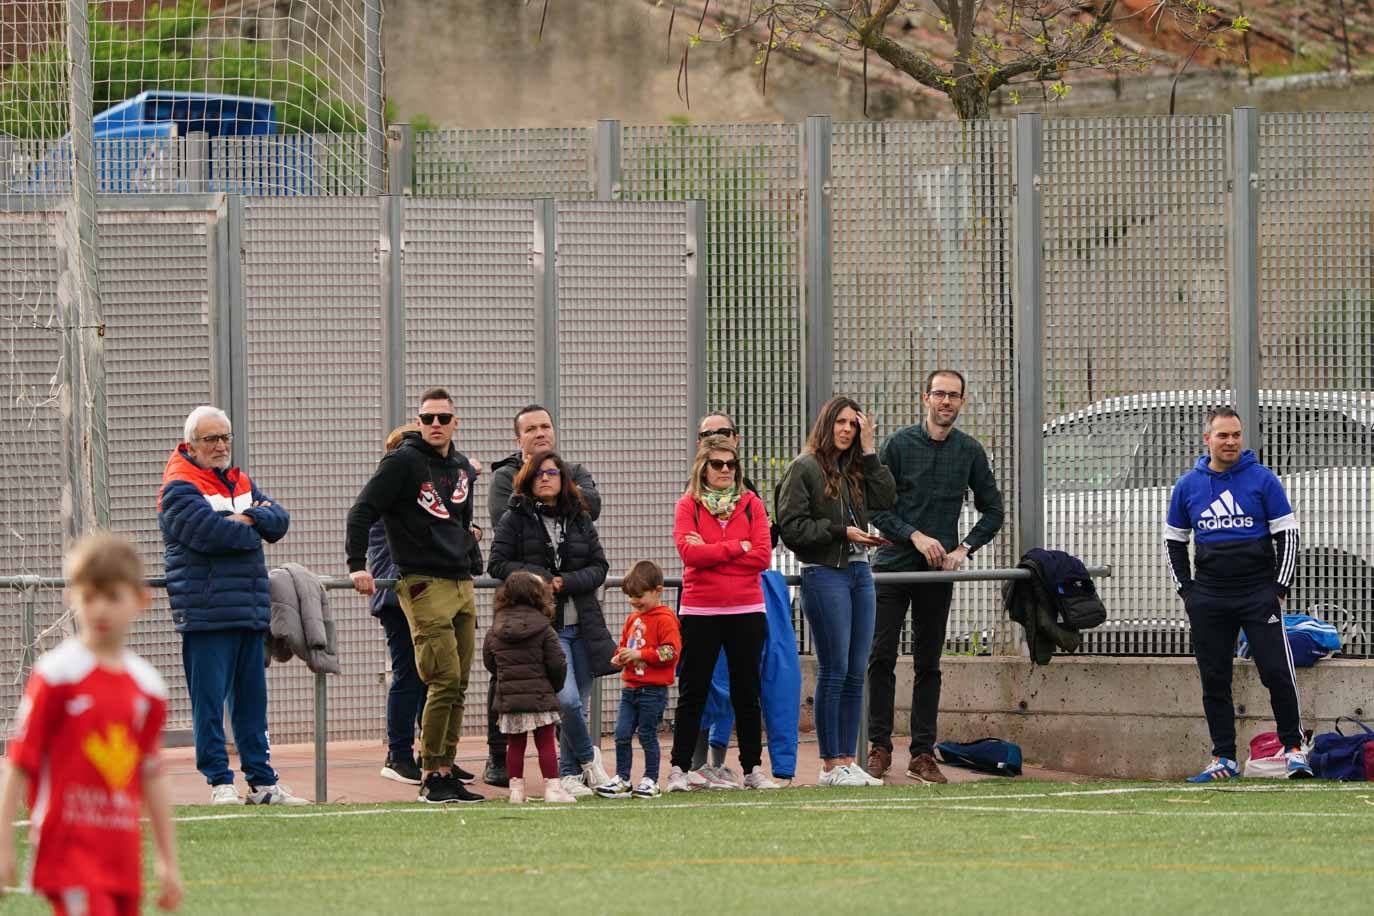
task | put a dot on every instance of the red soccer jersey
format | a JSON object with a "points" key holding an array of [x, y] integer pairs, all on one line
{"points": [[85, 736]]}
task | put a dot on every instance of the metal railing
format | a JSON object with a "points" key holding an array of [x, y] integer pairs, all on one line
{"points": [[31, 585]]}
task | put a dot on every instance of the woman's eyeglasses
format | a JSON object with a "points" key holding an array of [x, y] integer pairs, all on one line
{"points": [[444, 419], [718, 465], [548, 473]]}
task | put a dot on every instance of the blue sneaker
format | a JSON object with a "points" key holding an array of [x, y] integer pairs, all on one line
{"points": [[1298, 767], [1219, 768]]}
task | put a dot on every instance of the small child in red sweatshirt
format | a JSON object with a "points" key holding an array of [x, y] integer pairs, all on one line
{"points": [[650, 645]]}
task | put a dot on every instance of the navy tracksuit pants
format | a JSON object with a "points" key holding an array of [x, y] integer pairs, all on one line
{"points": [[1217, 616], [228, 666]]}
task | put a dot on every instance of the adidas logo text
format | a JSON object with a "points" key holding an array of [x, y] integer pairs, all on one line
{"points": [[1224, 512]]}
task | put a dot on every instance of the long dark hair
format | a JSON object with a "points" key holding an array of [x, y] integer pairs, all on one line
{"points": [[837, 466], [570, 500]]}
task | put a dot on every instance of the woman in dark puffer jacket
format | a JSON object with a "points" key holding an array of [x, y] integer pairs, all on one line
{"points": [[524, 656], [546, 531]]}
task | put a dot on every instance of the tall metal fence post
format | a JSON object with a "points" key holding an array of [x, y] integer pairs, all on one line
{"points": [[544, 261], [698, 286], [196, 159], [1245, 321], [1030, 354], [230, 357], [28, 633], [375, 102], [391, 249], [820, 344], [87, 436], [400, 159], [608, 160]]}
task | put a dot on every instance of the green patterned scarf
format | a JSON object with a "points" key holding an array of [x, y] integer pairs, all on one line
{"points": [[721, 503]]}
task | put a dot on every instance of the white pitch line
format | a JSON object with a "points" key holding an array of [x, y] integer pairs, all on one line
{"points": [[1106, 813], [817, 803]]}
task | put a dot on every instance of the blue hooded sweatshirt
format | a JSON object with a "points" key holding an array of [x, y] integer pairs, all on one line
{"points": [[1237, 518]]}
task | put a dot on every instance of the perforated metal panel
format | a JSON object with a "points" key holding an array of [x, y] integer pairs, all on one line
{"points": [[922, 216], [749, 176], [290, 164], [1317, 354], [624, 363], [517, 162], [470, 328], [155, 276], [31, 472], [312, 290], [1136, 342]]}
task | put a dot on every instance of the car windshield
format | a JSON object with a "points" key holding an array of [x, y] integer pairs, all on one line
{"points": [[1093, 453]]}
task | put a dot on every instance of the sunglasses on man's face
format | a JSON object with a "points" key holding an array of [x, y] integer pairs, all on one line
{"points": [[718, 465], [723, 431], [443, 419]]}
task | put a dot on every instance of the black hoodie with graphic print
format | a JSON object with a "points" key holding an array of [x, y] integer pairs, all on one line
{"points": [[424, 500]]}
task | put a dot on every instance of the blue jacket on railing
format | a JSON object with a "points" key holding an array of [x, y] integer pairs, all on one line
{"points": [[216, 572], [381, 566]]}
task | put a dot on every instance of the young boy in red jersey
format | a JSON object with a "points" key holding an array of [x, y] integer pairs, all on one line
{"points": [[650, 644], [85, 750]]}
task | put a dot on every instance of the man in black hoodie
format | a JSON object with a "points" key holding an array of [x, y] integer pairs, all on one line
{"points": [[534, 433], [422, 492]]}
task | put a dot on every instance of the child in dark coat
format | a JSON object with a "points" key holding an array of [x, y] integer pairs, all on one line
{"points": [[523, 653]]}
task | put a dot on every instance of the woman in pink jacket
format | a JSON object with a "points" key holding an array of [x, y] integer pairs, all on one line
{"points": [[721, 531]]}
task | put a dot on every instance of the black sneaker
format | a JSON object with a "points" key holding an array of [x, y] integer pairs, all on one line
{"points": [[495, 774], [461, 793], [440, 790], [404, 771], [463, 775]]}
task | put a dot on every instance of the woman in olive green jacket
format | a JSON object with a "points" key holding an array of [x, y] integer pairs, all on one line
{"points": [[822, 509]]}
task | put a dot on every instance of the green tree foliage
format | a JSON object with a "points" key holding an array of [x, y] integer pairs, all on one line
{"points": [[167, 49]]}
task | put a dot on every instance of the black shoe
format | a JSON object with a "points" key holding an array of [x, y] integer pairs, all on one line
{"points": [[440, 790], [461, 792], [495, 774], [401, 771], [463, 775]]}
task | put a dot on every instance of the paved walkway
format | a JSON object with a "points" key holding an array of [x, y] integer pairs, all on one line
{"points": [[354, 767]]}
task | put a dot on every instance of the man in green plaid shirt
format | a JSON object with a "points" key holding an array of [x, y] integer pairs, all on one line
{"points": [[935, 465]]}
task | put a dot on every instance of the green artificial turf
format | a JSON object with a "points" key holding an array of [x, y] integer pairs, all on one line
{"points": [[991, 847]]}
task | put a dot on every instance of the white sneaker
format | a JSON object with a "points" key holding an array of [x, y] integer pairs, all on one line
{"points": [[556, 791], [517, 791], [839, 776], [274, 795], [696, 781], [677, 781], [225, 794], [593, 773], [717, 777], [867, 778], [616, 788], [574, 786], [647, 788], [757, 780]]}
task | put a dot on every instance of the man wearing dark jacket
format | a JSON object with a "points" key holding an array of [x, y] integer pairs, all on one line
{"points": [[935, 465], [534, 433], [214, 522], [422, 492]]}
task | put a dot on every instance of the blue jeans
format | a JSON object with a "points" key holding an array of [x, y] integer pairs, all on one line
{"points": [[227, 666], [575, 737], [405, 699], [641, 709], [839, 605]]}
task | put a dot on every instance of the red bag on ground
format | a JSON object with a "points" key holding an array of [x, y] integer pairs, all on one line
{"points": [[1265, 744]]}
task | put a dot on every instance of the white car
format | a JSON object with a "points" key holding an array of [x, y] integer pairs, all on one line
{"points": [[1109, 472]]}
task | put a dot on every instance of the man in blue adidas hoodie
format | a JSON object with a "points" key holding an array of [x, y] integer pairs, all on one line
{"points": [[1246, 545]]}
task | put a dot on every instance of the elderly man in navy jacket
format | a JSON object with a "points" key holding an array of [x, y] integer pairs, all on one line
{"points": [[213, 523]]}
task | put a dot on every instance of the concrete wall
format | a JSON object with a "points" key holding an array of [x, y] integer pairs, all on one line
{"points": [[1125, 717]]}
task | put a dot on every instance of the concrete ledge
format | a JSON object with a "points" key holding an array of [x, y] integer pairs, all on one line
{"points": [[1125, 717]]}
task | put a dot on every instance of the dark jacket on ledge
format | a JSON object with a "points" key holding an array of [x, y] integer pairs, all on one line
{"points": [[1054, 604]]}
